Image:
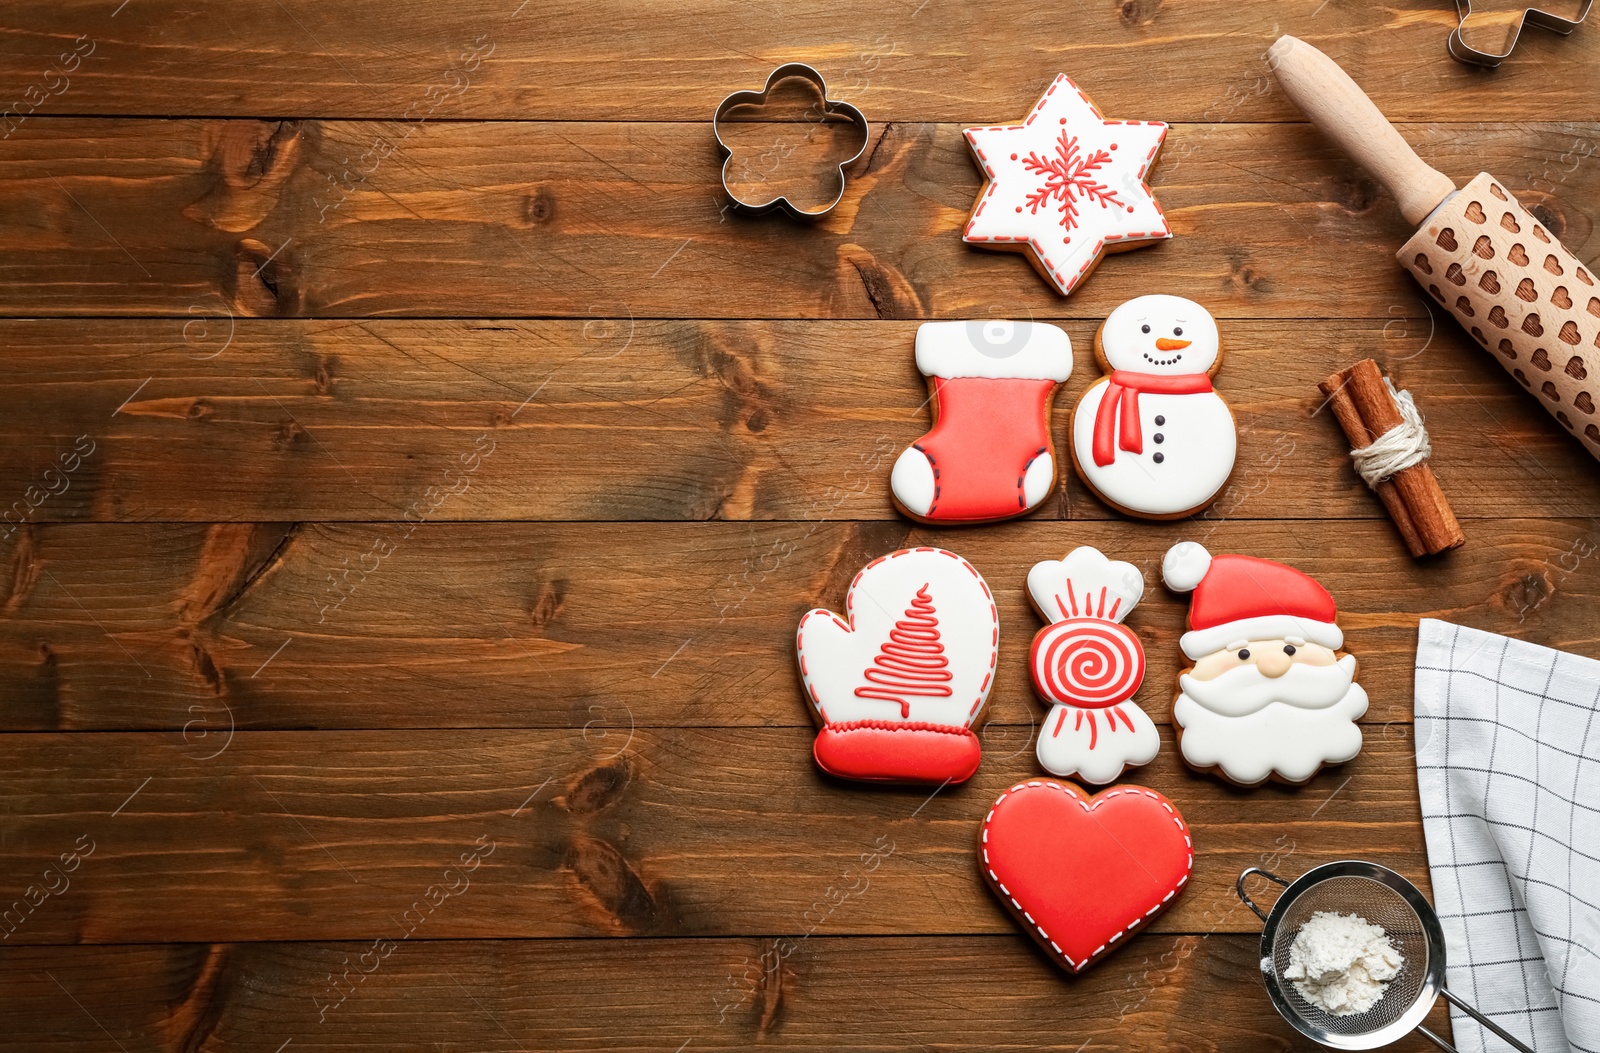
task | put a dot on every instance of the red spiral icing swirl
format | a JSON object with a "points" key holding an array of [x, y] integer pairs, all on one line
{"points": [[911, 662], [1087, 662]]}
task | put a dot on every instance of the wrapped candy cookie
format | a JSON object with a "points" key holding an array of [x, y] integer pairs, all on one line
{"points": [[1088, 666]]}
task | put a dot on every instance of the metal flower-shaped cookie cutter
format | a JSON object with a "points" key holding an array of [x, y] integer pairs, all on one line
{"points": [[829, 108], [1531, 16]]}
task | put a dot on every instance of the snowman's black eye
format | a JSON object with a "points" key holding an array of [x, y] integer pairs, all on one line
{"points": [[1178, 331], [1144, 329], [1244, 655]]}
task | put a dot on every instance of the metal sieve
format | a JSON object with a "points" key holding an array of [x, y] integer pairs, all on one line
{"points": [[1383, 898]]}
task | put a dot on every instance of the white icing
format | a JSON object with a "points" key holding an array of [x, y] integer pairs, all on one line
{"points": [[1198, 450], [1244, 689], [1023, 161], [1089, 571], [1184, 565], [913, 482], [1036, 483], [1126, 345], [994, 348], [1198, 643], [835, 653], [1064, 742], [1282, 737]]}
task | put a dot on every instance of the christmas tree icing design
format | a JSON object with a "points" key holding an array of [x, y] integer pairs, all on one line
{"points": [[911, 663], [1069, 177]]}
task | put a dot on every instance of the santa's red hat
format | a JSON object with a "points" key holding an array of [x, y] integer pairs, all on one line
{"points": [[1241, 598]]}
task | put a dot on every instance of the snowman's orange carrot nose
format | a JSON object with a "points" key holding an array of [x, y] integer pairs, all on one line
{"points": [[1166, 344]]}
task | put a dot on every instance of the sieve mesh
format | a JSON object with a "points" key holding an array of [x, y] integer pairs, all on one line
{"points": [[1378, 904]]}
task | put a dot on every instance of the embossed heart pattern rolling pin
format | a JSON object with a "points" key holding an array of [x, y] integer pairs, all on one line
{"points": [[1480, 254]]}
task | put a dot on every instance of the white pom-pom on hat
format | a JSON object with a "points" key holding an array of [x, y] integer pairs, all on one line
{"points": [[1184, 565]]}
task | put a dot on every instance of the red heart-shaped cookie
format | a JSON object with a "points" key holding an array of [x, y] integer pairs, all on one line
{"points": [[1081, 873]]}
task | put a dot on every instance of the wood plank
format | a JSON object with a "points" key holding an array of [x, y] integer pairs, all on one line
{"points": [[610, 221], [876, 994], [909, 61], [519, 625], [212, 419], [672, 832]]}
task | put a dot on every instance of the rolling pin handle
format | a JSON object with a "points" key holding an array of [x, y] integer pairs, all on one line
{"points": [[1341, 110]]}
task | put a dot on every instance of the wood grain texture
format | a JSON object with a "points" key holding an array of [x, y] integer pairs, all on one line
{"points": [[905, 61], [873, 995], [606, 221], [204, 418], [636, 625], [669, 832]]}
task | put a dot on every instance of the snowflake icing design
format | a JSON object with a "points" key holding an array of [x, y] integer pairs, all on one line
{"points": [[1069, 177]]}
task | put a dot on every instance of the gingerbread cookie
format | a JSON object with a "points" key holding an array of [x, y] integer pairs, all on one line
{"points": [[1152, 438], [1088, 666], [1081, 874], [1270, 695], [1066, 186], [898, 683], [989, 455]]}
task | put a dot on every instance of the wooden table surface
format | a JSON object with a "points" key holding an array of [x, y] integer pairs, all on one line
{"points": [[416, 474]]}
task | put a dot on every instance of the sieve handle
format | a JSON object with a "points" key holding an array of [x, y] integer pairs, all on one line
{"points": [[1238, 886], [1485, 1021], [1436, 1040]]}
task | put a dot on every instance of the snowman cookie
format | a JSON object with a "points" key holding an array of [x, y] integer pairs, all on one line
{"points": [[1088, 666], [1270, 695], [989, 455], [897, 684], [1153, 439], [1066, 186]]}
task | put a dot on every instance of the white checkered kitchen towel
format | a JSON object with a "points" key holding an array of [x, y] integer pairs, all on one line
{"points": [[1508, 763]]}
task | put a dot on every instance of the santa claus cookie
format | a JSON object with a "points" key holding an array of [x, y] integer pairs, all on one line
{"points": [[1081, 874], [1270, 695], [898, 683], [1152, 438], [989, 455], [1066, 186], [1088, 666]]}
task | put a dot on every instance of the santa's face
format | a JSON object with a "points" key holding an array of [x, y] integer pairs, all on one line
{"points": [[1165, 335], [1261, 707]]}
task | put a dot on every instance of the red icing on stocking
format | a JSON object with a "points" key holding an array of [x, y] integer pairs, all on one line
{"points": [[989, 431]]}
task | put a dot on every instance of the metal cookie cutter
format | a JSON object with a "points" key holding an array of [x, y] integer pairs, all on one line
{"points": [[829, 108], [1532, 16]]}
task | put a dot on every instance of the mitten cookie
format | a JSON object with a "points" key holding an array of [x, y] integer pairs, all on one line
{"points": [[1270, 695], [899, 681], [989, 455], [1153, 439]]}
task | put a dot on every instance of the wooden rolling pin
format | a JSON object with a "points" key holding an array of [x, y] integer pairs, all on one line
{"points": [[1479, 253]]}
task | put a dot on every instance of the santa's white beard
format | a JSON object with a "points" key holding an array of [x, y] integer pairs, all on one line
{"points": [[1252, 726]]}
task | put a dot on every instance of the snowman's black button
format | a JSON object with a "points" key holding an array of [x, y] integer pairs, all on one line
{"points": [[1160, 419], [1160, 437], [1158, 458]]}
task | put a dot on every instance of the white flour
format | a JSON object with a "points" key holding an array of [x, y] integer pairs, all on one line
{"points": [[1341, 963]]}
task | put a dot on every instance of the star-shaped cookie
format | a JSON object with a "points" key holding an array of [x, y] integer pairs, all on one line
{"points": [[1066, 186]]}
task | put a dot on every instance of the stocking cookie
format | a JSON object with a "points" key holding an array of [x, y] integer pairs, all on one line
{"points": [[1088, 666], [1269, 695], [989, 455], [1080, 873], [898, 683], [1066, 186], [1152, 438]]}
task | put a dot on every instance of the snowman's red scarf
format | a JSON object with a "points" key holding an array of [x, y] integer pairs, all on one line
{"points": [[1122, 399]]}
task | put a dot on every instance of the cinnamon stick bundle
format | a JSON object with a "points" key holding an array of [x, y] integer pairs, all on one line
{"points": [[1366, 409]]}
